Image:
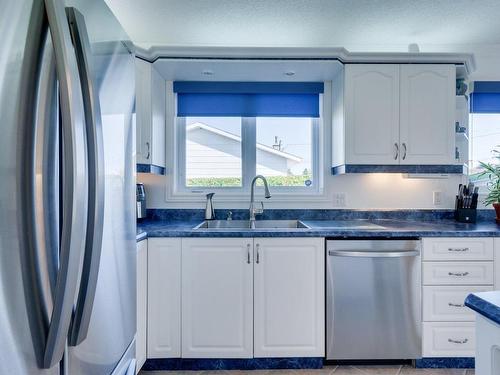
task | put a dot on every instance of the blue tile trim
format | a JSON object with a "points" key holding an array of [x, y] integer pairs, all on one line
{"points": [[459, 362], [316, 214], [187, 364], [150, 168], [483, 307], [358, 168]]}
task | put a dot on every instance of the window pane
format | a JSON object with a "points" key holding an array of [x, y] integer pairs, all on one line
{"points": [[213, 152], [485, 136], [284, 150]]}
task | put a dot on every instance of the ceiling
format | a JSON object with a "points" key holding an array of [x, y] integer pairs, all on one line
{"points": [[358, 25], [312, 23]]}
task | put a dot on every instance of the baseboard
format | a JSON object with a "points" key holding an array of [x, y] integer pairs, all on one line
{"points": [[447, 362], [185, 364]]}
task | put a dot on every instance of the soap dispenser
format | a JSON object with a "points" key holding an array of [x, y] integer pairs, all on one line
{"points": [[209, 209]]}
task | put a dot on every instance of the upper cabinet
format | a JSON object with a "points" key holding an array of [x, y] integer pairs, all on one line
{"points": [[151, 91], [427, 114], [372, 113], [394, 115]]}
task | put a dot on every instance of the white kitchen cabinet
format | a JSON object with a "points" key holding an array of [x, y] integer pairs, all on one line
{"points": [[142, 301], [427, 114], [289, 297], [451, 269], [448, 339], [164, 298], [457, 249], [217, 298], [151, 91], [394, 114], [372, 113]]}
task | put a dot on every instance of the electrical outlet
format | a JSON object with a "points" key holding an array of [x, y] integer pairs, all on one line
{"points": [[339, 199], [437, 198]]}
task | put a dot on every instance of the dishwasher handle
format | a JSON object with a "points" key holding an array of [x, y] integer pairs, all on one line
{"points": [[374, 254]]}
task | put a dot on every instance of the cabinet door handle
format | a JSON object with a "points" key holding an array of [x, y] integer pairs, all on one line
{"points": [[451, 304], [458, 249], [464, 341], [248, 253], [257, 259], [396, 155], [148, 154], [404, 151], [458, 273]]}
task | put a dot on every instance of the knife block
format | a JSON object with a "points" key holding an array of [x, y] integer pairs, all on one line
{"points": [[466, 215]]}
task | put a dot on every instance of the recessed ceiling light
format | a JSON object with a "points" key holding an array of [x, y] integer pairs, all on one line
{"points": [[290, 73], [207, 73]]}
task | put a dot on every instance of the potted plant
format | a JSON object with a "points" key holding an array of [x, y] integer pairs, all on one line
{"points": [[492, 171]]}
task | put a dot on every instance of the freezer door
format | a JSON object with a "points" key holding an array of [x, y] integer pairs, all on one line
{"points": [[112, 322]]}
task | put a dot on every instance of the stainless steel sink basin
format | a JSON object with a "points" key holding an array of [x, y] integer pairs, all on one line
{"points": [[245, 224]]}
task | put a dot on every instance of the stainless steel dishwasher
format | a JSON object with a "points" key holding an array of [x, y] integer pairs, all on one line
{"points": [[373, 299]]}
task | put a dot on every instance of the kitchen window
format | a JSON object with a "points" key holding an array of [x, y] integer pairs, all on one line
{"points": [[228, 132], [484, 131]]}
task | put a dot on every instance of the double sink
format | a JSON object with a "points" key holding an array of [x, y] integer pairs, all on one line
{"points": [[245, 224], [288, 224]]}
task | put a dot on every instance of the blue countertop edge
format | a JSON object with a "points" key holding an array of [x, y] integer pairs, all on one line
{"points": [[486, 304], [392, 229]]}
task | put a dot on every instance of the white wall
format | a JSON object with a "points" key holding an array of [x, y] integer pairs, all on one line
{"points": [[364, 191]]}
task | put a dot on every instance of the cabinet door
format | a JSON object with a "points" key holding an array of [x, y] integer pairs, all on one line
{"points": [[427, 114], [164, 298], [143, 111], [151, 90], [217, 298], [289, 297], [142, 301], [372, 113]]}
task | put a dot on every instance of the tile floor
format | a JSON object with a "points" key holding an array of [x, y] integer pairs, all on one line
{"points": [[328, 370]]}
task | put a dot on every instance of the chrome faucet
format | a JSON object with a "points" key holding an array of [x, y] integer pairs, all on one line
{"points": [[253, 210], [209, 208]]}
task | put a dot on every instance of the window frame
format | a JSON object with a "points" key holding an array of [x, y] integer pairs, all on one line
{"points": [[249, 162]]}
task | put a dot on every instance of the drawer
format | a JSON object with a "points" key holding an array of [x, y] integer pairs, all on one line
{"points": [[457, 273], [457, 248], [445, 303], [448, 340]]}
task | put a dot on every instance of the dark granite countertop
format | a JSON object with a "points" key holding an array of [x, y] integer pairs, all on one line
{"points": [[320, 228], [486, 304]]}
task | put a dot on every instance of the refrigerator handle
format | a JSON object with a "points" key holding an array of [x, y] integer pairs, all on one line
{"points": [[95, 219], [74, 183]]}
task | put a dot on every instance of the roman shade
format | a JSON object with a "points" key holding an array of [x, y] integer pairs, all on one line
{"points": [[248, 99], [486, 97]]}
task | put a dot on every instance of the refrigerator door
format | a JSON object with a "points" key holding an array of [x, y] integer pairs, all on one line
{"points": [[17, 352], [101, 347], [40, 255]]}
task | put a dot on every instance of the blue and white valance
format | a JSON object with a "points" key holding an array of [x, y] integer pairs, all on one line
{"points": [[248, 99], [485, 97]]}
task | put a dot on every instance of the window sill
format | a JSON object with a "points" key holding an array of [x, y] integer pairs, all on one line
{"points": [[181, 197]]}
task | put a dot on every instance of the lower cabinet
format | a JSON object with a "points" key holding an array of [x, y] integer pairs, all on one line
{"points": [[244, 297], [142, 300], [289, 296], [451, 269], [235, 297], [164, 298], [217, 298]]}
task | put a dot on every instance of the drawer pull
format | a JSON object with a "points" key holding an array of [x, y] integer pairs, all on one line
{"points": [[455, 304], [464, 341], [458, 273], [461, 249]]}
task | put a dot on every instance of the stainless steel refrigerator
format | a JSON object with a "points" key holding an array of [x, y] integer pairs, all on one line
{"points": [[67, 190]]}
